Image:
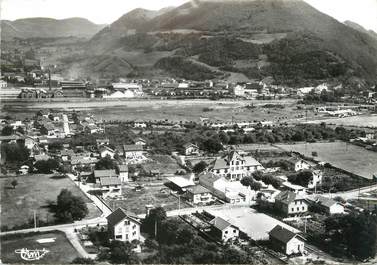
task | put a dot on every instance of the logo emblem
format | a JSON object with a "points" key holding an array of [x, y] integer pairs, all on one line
{"points": [[31, 254]]}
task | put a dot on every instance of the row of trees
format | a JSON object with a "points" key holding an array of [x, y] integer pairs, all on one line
{"points": [[353, 234], [176, 242]]}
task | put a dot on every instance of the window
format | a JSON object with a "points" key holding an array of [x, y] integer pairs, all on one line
{"points": [[127, 222], [293, 209], [298, 208], [134, 233], [303, 208], [118, 237], [226, 232], [234, 231], [134, 227], [126, 236]]}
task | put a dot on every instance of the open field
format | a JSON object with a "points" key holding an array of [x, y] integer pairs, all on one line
{"points": [[358, 121], [351, 158], [254, 224], [174, 110], [35, 193], [60, 251], [137, 200], [163, 163]]}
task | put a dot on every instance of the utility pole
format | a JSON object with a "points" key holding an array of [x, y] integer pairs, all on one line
{"points": [[49, 79], [35, 219], [155, 229]]}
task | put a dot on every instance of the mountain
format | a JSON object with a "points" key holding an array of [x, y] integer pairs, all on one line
{"points": [[48, 28], [286, 39], [360, 28]]}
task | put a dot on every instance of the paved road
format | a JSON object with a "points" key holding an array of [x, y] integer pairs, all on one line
{"points": [[106, 210], [352, 194]]}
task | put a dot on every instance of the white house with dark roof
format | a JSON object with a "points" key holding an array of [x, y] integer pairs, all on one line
{"points": [[298, 164], [230, 191], [223, 230], [110, 186], [327, 205], [104, 173], [191, 149], [106, 151], [140, 141], [133, 152], [199, 195], [123, 225], [291, 204], [234, 166], [286, 241], [123, 173]]}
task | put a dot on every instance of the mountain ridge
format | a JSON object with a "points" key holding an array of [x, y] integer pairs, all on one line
{"points": [[44, 27]]}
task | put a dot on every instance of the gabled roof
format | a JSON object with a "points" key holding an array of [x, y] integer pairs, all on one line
{"points": [[189, 145], [132, 147], [198, 189], [220, 163], [119, 215], [287, 197], [251, 161], [294, 160], [106, 148], [123, 168], [208, 177], [220, 223], [104, 173], [327, 202], [108, 181], [41, 157], [282, 234]]}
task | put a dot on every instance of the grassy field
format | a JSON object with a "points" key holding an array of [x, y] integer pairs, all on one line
{"points": [[35, 192], [351, 158], [60, 251], [164, 163], [137, 200], [358, 121], [175, 110]]}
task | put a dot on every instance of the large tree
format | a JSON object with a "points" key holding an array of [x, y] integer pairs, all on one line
{"points": [[7, 130], [153, 219], [70, 207], [356, 232], [119, 253], [46, 166], [105, 163]]}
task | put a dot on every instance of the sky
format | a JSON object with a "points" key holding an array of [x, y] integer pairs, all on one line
{"points": [[363, 12]]}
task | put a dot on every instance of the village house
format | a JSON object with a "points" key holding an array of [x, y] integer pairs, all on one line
{"points": [[123, 173], [298, 164], [133, 152], [140, 125], [327, 205], [199, 195], [106, 151], [291, 204], [123, 226], [223, 230], [110, 186], [104, 173], [102, 141], [230, 191], [234, 166], [286, 241], [140, 141], [191, 149], [316, 179]]}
